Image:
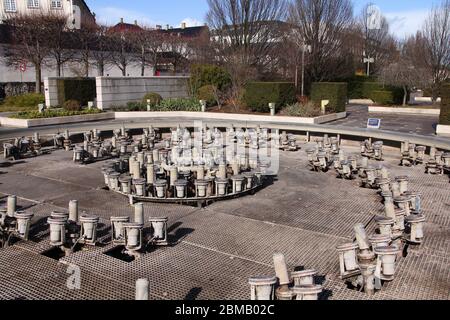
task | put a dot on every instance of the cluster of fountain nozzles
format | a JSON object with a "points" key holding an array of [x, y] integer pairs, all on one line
{"points": [[372, 259], [328, 154], [179, 169], [13, 223], [297, 285], [67, 230]]}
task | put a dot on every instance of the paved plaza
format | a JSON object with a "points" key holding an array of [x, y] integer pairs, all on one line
{"points": [[216, 249]]}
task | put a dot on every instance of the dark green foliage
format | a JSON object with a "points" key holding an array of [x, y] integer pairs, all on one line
{"points": [[28, 100], [154, 98], [72, 105], [205, 74], [172, 104], [383, 97], [52, 114], [80, 89], [207, 93], [258, 95], [445, 104], [336, 92], [362, 87]]}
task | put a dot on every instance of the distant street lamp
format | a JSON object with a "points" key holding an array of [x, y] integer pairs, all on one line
{"points": [[309, 49], [368, 60]]}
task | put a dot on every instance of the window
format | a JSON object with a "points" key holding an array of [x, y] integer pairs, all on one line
{"points": [[33, 4], [10, 5], [56, 4]]}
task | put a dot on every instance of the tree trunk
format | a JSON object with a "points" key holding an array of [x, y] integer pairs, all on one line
{"points": [[58, 69], [101, 69], [405, 96], [124, 71], [86, 67], [37, 68]]}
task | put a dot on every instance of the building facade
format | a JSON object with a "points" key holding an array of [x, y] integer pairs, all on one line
{"points": [[76, 11]]}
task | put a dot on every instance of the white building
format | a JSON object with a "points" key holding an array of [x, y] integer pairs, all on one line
{"points": [[75, 10]]}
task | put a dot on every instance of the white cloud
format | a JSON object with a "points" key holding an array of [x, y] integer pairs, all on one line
{"points": [[191, 22], [405, 23], [112, 15]]}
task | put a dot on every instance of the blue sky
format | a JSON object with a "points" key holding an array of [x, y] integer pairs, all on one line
{"points": [[405, 16]]}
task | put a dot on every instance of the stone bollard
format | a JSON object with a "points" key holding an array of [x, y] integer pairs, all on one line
{"points": [[221, 187], [139, 213], [348, 261], [387, 256], [173, 174], [203, 105], [117, 231], [23, 220], [403, 183], [201, 188], [142, 288], [237, 182], [151, 174], [281, 271], [396, 189], [57, 231], [304, 277], [88, 229], [181, 188], [159, 228], [403, 202], [385, 225], [135, 169], [140, 186], [11, 206], [379, 240], [262, 288], [160, 188], [308, 292], [133, 237], [272, 107], [125, 184], [73, 210], [415, 228]]}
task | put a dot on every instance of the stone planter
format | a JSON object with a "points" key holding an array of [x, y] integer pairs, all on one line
{"points": [[262, 288]]}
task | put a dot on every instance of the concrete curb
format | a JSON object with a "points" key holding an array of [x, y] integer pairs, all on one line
{"points": [[443, 130], [30, 123], [379, 109], [230, 116]]}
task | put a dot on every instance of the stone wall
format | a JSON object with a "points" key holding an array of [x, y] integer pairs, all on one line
{"points": [[116, 92]]}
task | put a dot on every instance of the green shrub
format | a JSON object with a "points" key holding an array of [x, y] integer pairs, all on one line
{"points": [[383, 97], [154, 98], [335, 92], [52, 114], [206, 74], [29, 100], [207, 93], [72, 105], [179, 104], [445, 104], [80, 89], [258, 95], [362, 87], [307, 110]]}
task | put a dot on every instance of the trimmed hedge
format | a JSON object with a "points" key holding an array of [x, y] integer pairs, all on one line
{"points": [[80, 89], [445, 105], [24, 101], [383, 97], [362, 87], [206, 74], [336, 92], [52, 114], [155, 99], [207, 93], [258, 95]]}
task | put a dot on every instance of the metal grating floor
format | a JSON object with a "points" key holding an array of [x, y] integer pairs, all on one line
{"points": [[302, 214]]}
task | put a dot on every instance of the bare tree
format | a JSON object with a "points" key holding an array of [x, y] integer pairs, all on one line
{"points": [[148, 45], [179, 49], [59, 40], [405, 74], [122, 49], [245, 34], [86, 39], [377, 43], [29, 37], [323, 24], [101, 52], [436, 31]]}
